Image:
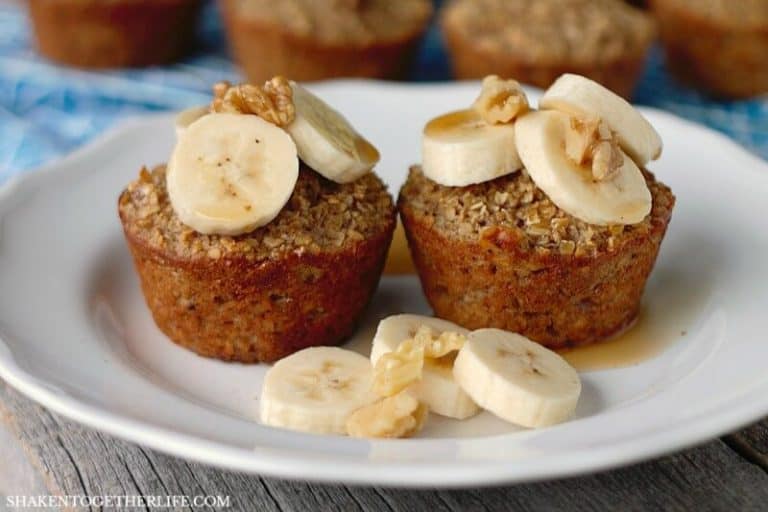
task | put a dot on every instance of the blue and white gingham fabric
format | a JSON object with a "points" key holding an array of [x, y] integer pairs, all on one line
{"points": [[46, 111]]}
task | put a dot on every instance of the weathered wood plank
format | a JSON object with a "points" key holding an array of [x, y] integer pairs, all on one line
{"points": [[752, 443], [76, 460]]}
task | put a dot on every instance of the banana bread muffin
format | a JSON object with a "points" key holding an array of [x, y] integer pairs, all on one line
{"points": [[535, 42], [501, 254], [301, 280], [718, 46], [114, 33], [316, 39]]}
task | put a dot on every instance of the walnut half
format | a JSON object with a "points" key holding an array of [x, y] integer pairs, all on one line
{"points": [[589, 141], [501, 101], [400, 415], [272, 102]]}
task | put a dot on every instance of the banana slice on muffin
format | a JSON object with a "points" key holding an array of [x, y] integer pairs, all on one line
{"points": [[582, 97], [230, 174], [476, 145], [609, 189], [461, 148], [326, 141]]}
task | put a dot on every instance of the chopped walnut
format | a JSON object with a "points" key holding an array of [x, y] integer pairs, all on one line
{"points": [[396, 370], [272, 102], [437, 346], [400, 415], [590, 141], [500, 101]]}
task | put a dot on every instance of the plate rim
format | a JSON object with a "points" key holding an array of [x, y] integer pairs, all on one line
{"points": [[327, 468]]}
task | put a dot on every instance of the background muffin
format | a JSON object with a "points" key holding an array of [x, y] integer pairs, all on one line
{"points": [[301, 280], [536, 42], [719, 46], [315, 39], [501, 254], [116, 33]]}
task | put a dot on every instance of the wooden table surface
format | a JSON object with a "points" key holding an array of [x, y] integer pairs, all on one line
{"points": [[51, 455]]}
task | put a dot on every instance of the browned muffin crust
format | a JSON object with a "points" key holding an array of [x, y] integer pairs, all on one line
{"points": [[352, 44], [536, 42], [718, 46], [302, 280], [118, 33], [501, 254]]}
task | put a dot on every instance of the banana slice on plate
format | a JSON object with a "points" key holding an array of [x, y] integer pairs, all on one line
{"points": [[316, 390], [621, 197], [187, 117], [231, 173], [461, 148], [583, 97], [437, 387], [517, 379], [326, 141]]}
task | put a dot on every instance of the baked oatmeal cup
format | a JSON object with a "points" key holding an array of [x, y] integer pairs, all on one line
{"points": [[300, 278], [502, 252], [718, 46], [316, 39], [536, 42], [116, 33]]}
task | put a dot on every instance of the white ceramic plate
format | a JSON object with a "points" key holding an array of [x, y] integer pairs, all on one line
{"points": [[77, 337]]}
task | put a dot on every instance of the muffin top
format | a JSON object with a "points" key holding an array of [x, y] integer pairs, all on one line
{"points": [[320, 216], [514, 202], [569, 31], [342, 21], [739, 13]]}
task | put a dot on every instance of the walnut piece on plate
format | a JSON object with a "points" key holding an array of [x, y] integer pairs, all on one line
{"points": [[400, 415]]}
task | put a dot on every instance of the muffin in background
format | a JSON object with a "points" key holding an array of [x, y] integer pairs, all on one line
{"points": [[643, 4], [536, 42], [718, 46], [316, 39], [116, 33]]}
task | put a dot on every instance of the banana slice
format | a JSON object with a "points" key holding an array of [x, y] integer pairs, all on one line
{"points": [[583, 97], [231, 173], [187, 117], [326, 141], [621, 198], [516, 379], [316, 390], [437, 388], [461, 148]]}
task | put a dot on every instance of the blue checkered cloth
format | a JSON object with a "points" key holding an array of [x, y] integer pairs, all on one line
{"points": [[46, 111]]}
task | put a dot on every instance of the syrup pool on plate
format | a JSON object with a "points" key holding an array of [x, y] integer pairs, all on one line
{"points": [[642, 341]]}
